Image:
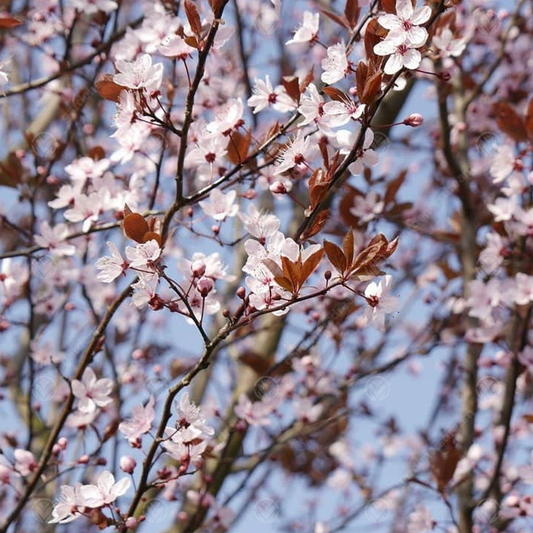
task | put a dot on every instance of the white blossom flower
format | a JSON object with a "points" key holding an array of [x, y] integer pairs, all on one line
{"points": [[367, 207], [400, 55], [111, 267], [295, 154], [379, 302], [265, 95], [105, 491], [220, 205], [336, 65], [405, 25], [70, 505], [91, 391], [143, 256], [55, 239], [308, 30], [139, 74]]}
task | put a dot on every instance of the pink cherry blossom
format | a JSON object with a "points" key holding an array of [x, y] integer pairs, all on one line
{"points": [[111, 267], [25, 462], [70, 505], [175, 46], [91, 391], [140, 422], [144, 256], [55, 239], [105, 491], [220, 205]]}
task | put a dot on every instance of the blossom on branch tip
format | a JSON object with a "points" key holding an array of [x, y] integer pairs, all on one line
{"points": [[140, 422], [91, 391], [139, 74], [405, 26], [70, 505], [401, 55], [295, 154], [379, 302], [105, 491], [264, 95], [336, 65], [307, 31]]}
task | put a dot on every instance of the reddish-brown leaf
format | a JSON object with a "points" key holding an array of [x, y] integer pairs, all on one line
{"points": [[351, 12], [336, 256], [309, 77], [217, 6], [310, 265], [323, 147], [191, 40], [317, 225], [193, 17], [368, 272], [11, 171], [372, 88], [336, 94], [238, 146], [9, 22], [529, 120], [151, 235], [348, 246], [284, 282], [443, 462], [318, 187], [292, 87], [135, 227], [108, 89], [509, 121], [336, 18], [373, 35], [346, 203], [394, 186], [389, 6], [365, 258], [292, 271], [361, 74]]}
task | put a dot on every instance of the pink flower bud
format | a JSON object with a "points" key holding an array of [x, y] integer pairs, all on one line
{"points": [[198, 268], [127, 464], [414, 120], [62, 443], [137, 354], [83, 460], [278, 188], [131, 522], [205, 286], [241, 292]]}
